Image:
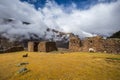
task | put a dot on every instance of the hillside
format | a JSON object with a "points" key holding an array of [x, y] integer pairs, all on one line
{"points": [[9, 38], [115, 35], [12, 25], [56, 66]]}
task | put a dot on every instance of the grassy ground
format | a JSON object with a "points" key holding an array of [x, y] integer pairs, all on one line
{"points": [[57, 66]]}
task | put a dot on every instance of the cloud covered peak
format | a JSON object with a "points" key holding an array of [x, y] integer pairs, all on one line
{"points": [[102, 19]]}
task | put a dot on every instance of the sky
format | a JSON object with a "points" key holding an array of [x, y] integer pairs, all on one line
{"points": [[81, 4], [85, 18]]}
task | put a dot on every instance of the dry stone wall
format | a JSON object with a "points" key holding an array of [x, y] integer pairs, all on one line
{"points": [[42, 46], [111, 45]]}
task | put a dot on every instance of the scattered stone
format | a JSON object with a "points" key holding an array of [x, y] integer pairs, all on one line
{"points": [[21, 64], [22, 70]]}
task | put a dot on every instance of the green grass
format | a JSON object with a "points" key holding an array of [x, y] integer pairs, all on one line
{"points": [[59, 66]]}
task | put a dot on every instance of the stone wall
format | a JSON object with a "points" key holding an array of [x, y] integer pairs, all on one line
{"points": [[112, 45], [93, 42], [7, 45], [47, 46], [42, 46], [12, 49], [97, 43], [33, 46], [74, 43]]}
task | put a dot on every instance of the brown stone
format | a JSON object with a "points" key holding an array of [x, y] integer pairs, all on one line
{"points": [[47, 46], [74, 43], [14, 49], [33, 46], [111, 45]]}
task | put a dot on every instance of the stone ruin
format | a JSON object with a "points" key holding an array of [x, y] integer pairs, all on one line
{"points": [[89, 44], [33, 46], [43, 46], [7, 46], [47, 46], [95, 44], [74, 43]]}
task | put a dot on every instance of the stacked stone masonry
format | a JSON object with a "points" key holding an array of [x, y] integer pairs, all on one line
{"points": [[98, 43]]}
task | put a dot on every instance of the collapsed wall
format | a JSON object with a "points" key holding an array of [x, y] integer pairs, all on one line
{"points": [[14, 49], [9, 46], [112, 45], [97, 43], [74, 43]]}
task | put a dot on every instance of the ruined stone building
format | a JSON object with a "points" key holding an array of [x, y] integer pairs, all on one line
{"points": [[33, 46], [97, 43], [43, 46], [9, 46], [47, 46]]}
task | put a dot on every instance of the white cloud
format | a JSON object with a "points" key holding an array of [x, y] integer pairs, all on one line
{"points": [[100, 19], [20, 12]]}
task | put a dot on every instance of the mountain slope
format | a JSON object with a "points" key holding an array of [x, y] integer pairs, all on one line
{"points": [[115, 35]]}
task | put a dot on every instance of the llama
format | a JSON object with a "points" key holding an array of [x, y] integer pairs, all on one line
{"points": [[91, 50]]}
